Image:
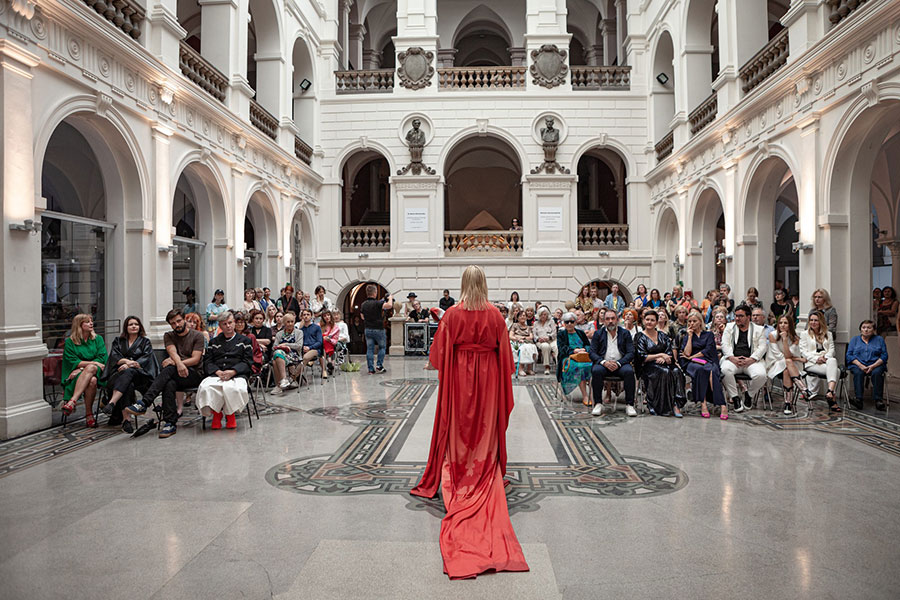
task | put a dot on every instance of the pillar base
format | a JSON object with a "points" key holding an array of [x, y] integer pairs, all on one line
{"points": [[24, 418]]}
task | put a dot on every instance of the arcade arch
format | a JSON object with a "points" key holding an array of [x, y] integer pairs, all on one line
{"points": [[708, 233], [260, 242], [662, 95]]}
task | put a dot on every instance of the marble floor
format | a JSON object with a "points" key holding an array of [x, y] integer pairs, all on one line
{"points": [[311, 503]]}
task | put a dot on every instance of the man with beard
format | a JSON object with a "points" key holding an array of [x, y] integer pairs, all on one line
{"points": [[612, 352], [184, 347]]}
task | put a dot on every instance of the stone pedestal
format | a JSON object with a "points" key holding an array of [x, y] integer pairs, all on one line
{"points": [[544, 199], [397, 342], [418, 198]]}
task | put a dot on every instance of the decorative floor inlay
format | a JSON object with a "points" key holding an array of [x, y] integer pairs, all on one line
{"points": [[587, 464], [30, 450]]}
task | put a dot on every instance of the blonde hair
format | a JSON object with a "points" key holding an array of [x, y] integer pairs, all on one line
{"points": [[76, 335], [824, 293], [473, 288], [821, 335]]}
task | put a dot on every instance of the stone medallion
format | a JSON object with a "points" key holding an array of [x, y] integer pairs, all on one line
{"points": [[548, 66], [415, 70]]}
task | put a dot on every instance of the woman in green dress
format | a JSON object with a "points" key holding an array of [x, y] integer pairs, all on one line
{"points": [[84, 356]]}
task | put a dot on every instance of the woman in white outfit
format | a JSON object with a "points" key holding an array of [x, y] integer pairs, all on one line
{"points": [[521, 338], [817, 347], [784, 359], [544, 331]]}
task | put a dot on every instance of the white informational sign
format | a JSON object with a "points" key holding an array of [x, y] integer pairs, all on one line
{"points": [[416, 219], [550, 218]]}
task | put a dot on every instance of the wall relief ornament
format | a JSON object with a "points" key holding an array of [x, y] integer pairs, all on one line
{"points": [[548, 66], [550, 143], [415, 70], [415, 138]]}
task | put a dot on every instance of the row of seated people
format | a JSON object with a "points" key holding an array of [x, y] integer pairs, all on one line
{"points": [[218, 369], [662, 359]]}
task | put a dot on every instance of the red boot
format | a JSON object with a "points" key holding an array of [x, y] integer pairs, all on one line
{"points": [[217, 420], [230, 422]]}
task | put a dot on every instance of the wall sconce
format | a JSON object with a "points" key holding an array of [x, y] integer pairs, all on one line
{"points": [[603, 253], [662, 78], [28, 225], [305, 85], [800, 247], [363, 255], [167, 249]]}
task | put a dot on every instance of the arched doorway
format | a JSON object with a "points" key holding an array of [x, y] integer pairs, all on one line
{"points": [[90, 181], [366, 207], [483, 189], [260, 242], [604, 286], [662, 87], [303, 92], [602, 199], [708, 232], [668, 271], [350, 300]]}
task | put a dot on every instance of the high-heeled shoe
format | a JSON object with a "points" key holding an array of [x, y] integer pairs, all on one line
{"points": [[723, 417], [89, 421], [68, 408], [704, 413]]}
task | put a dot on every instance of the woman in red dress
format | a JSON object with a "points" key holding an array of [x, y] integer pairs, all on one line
{"points": [[472, 354]]}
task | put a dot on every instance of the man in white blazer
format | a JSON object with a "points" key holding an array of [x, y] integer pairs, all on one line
{"points": [[743, 351]]}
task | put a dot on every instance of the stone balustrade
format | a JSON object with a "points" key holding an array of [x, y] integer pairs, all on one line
{"points": [[599, 237], [772, 57], [483, 242], [841, 9], [704, 114], [479, 78], [263, 120], [197, 69], [371, 81], [665, 146], [127, 15], [601, 78], [366, 238], [302, 150]]}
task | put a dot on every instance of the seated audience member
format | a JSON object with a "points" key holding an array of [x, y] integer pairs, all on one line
{"points": [[319, 304], [446, 301], [752, 299], [302, 300], [287, 346], [655, 301], [240, 326], [614, 300], [674, 300], [821, 301], [717, 326], [504, 312], [181, 369], [331, 334], [194, 322], [758, 317], [269, 321], [262, 333], [312, 343], [574, 367], [250, 302], [521, 338], [663, 323], [596, 301], [344, 336], [417, 313], [529, 316], [513, 301], [583, 301], [689, 302], [641, 298], [557, 318], [130, 366], [227, 364], [725, 292], [287, 302], [784, 359], [262, 296], [544, 330], [84, 357], [214, 310], [582, 323], [867, 355], [279, 322], [630, 321], [677, 326], [723, 303], [876, 300], [887, 309], [662, 379], [817, 347], [743, 351], [781, 305], [700, 361], [612, 352], [190, 301]]}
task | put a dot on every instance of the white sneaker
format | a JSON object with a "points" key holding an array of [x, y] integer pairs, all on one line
{"points": [[629, 410], [277, 391], [284, 383], [598, 410]]}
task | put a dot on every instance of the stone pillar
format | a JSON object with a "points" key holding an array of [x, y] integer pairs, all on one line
{"points": [[621, 32], [347, 196], [550, 215], [807, 216], [593, 55], [423, 195], [374, 190], [271, 76], [164, 32], [805, 24], [743, 31], [22, 406], [610, 47], [545, 23], [344, 7], [397, 347], [518, 57], [371, 59], [697, 60], [357, 35], [593, 187], [894, 246], [223, 35], [164, 230], [446, 57]]}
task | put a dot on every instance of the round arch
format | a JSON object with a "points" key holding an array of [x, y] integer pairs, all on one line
{"points": [[262, 213], [662, 95], [349, 299], [605, 286], [706, 227], [699, 16], [474, 130], [605, 141], [360, 146], [481, 16], [301, 242]]}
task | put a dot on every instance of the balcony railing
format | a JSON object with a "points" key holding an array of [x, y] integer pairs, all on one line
{"points": [[704, 114], [599, 237], [198, 70], [601, 78], [478, 78], [263, 120], [772, 57], [373, 81], [366, 238], [127, 15], [302, 150], [665, 146], [841, 9], [482, 242]]}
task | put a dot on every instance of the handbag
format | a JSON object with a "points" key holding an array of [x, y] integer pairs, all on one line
{"points": [[582, 357], [699, 361]]}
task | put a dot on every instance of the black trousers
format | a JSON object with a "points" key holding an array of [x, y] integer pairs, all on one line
{"points": [[167, 383], [126, 382]]}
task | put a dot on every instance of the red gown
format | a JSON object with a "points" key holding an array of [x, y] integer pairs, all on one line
{"points": [[474, 360]]}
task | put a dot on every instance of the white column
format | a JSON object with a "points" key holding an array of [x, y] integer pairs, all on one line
{"points": [[223, 42], [22, 407], [416, 27], [344, 7], [807, 217], [743, 31], [610, 47], [164, 33], [806, 25], [621, 23], [417, 193], [161, 260], [355, 56]]}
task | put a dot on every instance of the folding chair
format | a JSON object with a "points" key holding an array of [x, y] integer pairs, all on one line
{"points": [[764, 390], [842, 395], [249, 414]]}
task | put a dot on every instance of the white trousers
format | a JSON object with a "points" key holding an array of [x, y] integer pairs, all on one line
{"points": [[527, 353], [829, 369], [547, 349], [756, 372], [215, 395]]}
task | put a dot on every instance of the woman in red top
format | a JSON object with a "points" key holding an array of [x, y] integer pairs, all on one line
{"points": [[472, 354]]}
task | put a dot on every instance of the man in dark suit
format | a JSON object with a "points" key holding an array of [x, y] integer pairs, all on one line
{"points": [[612, 352]]}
